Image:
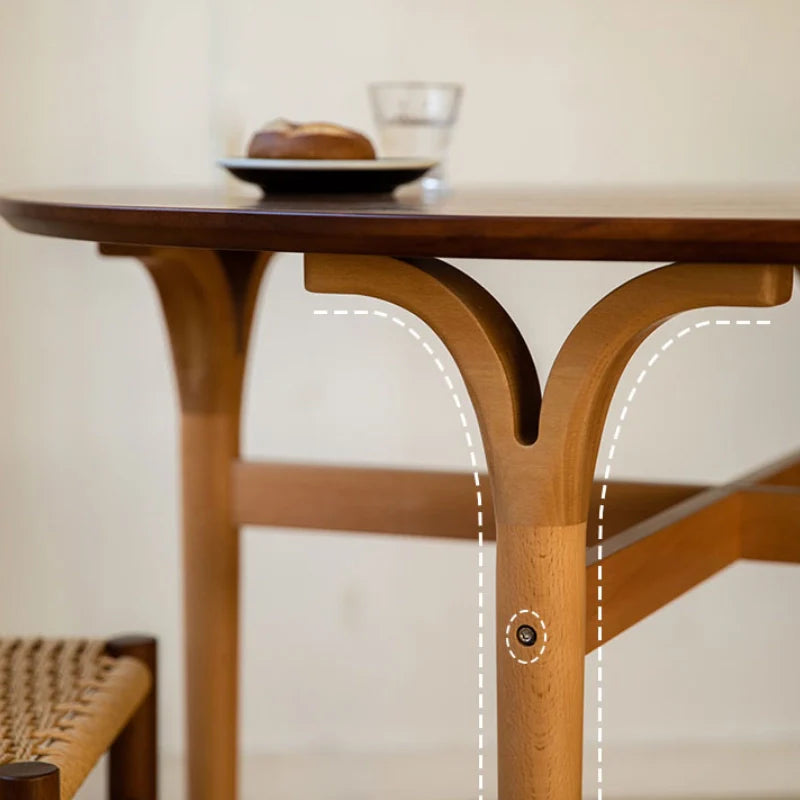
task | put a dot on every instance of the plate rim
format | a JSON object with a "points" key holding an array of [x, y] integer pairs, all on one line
{"points": [[327, 164]]}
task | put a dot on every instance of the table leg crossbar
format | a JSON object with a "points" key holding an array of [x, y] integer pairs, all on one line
{"points": [[541, 450]]}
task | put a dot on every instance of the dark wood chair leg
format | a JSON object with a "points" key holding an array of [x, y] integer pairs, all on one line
{"points": [[132, 769], [29, 780]]}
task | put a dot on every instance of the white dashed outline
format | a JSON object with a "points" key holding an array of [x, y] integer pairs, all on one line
{"points": [[600, 519], [601, 512], [340, 312]]}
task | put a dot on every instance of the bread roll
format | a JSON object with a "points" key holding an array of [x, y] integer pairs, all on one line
{"points": [[284, 139]]}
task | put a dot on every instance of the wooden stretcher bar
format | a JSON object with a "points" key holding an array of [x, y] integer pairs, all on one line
{"points": [[690, 532], [398, 501]]}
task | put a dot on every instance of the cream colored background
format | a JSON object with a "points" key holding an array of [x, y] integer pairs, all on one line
{"points": [[360, 644]]}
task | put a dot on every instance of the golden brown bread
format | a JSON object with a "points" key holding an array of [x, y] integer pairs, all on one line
{"points": [[284, 139]]}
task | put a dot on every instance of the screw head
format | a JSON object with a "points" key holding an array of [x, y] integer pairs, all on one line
{"points": [[526, 635]]}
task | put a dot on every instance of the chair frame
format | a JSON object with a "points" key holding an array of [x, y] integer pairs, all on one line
{"points": [[132, 767]]}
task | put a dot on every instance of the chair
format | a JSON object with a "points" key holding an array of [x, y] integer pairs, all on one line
{"points": [[64, 703]]}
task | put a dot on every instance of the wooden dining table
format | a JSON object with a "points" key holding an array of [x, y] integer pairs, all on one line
{"points": [[566, 582]]}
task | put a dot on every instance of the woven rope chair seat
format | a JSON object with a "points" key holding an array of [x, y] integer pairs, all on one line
{"points": [[64, 701]]}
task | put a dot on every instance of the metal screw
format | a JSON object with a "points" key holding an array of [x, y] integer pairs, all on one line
{"points": [[526, 635]]}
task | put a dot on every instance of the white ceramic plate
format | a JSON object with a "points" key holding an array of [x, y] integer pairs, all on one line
{"points": [[314, 164], [327, 176]]}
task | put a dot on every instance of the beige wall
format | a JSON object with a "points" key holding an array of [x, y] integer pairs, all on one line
{"points": [[146, 92]]}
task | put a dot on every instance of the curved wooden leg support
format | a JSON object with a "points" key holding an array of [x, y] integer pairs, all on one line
{"points": [[208, 300], [541, 551], [541, 488]]}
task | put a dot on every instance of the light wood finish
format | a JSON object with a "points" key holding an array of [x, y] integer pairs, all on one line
{"points": [[545, 492], [542, 488], [489, 350], [357, 499], [541, 483], [591, 360], [668, 555], [540, 707], [650, 564], [491, 353], [541, 460], [404, 502], [690, 532], [208, 301]]}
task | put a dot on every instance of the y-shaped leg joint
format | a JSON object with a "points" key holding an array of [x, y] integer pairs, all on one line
{"points": [[541, 483]]}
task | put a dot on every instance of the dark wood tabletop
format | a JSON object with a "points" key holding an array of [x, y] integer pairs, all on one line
{"points": [[737, 224]]}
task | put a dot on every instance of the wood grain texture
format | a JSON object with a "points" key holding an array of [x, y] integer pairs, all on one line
{"points": [[208, 300], [541, 489], [649, 565], [660, 540], [357, 499], [495, 362], [548, 490], [540, 706], [540, 460], [403, 502], [754, 224], [592, 358], [677, 550]]}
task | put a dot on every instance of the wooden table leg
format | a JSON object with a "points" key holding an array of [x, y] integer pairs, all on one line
{"points": [[541, 465], [208, 300]]}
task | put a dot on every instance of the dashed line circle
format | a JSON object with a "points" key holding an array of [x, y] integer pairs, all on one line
{"points": [[526, 616], [606, 474]]}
